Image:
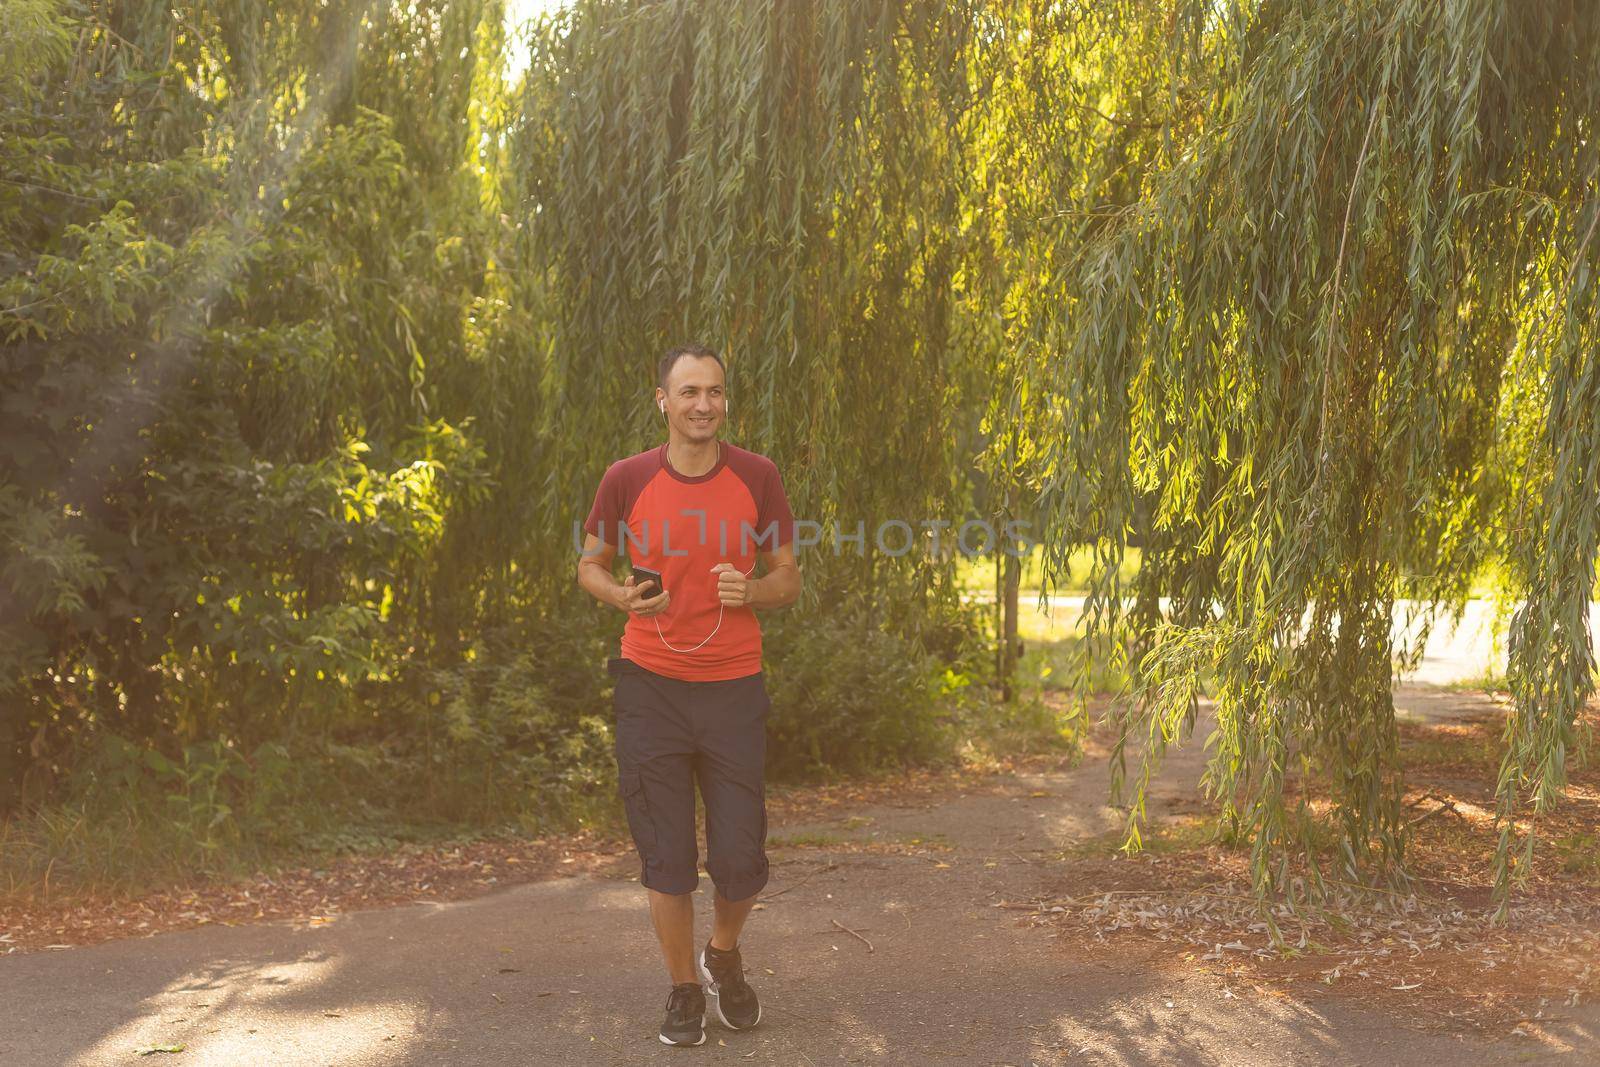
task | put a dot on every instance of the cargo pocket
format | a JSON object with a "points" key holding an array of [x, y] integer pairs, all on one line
{"points": [[640, 825]]}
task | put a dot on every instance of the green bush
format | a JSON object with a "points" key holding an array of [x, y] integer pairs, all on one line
{"points": [[849, 697], [133, 816], [520, 727]]}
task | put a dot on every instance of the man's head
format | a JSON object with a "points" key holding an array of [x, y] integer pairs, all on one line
{"points": [[690, 391]]}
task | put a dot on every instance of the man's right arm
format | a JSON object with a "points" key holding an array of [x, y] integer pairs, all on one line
{"points": [[594, 571], [594, 574]]}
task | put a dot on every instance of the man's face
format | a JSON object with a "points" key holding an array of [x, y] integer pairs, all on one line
{"points": [[694, 397]]}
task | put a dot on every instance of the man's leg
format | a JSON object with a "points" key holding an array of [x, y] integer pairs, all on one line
{"points": [[730, 917], [656, 777], [673, 915], [731, 769], [730, 733]]}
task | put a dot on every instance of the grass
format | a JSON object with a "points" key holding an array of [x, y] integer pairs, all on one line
{"points": [[1162, 836], [1034, 723], [68, 850], [1578, 854], [1491, 680], [975, 574], [148, 837], [69, 847], [1050, 652]]}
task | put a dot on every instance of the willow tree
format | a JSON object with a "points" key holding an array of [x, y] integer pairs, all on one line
{"points": [[1051, 166], [1338, 347]]}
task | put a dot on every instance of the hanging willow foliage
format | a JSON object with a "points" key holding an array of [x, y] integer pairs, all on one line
{"points": [[764, 176], [1340, 347], [317, 337]]}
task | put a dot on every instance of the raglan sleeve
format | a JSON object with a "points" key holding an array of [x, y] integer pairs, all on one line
{"points": [[606, 515], [774, 511]]}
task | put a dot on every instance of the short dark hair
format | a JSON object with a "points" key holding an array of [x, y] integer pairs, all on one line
{"points": [[693, 348]]}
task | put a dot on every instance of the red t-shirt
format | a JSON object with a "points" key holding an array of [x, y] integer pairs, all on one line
{"points": [[683, 527]]}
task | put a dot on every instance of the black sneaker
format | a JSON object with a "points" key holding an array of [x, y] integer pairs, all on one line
{"points": [[686, 1016], [723, 973]]}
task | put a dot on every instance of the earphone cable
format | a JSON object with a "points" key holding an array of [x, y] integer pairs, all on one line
{"points": [[721, 608]]}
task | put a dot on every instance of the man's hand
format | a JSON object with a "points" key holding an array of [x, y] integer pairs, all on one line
{"points": [[779, 587], [637, 598], [733, 586]]}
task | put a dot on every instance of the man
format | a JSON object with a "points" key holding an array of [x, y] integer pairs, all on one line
{"points": [[691, 702]]}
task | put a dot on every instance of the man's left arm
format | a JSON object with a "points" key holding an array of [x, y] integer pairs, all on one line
{"points": [[778, 588]]}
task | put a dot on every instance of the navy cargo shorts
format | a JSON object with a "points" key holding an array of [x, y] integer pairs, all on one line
{"points": [[670, 734]]}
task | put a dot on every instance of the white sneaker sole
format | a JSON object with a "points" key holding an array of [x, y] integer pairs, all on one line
{"points": [[665, 1040], [711, 990]]}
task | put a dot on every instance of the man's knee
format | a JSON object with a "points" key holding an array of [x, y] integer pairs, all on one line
{"points": [[741, 878], [676, 880], [671, 899]]}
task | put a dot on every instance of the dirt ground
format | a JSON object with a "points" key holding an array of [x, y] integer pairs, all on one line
{"points": [[933, 918]]}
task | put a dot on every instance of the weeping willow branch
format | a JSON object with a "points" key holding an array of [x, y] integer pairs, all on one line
{"points": [[1292, 361]]}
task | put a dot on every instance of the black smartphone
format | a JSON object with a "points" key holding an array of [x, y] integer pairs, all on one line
{"points": [[644, 575]]}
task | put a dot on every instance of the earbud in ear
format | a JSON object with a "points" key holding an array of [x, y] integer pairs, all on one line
{"points": [[663, 407]]}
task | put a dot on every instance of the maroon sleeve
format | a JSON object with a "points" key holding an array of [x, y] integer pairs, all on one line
{"points": [[774, 508], [610, 508]]}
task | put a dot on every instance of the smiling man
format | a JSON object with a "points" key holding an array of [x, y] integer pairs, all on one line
{"points": [[691, 702]]}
